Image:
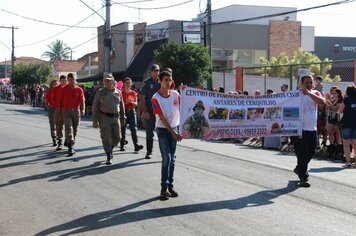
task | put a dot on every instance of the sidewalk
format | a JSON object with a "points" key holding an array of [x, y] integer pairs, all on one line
{"points": [[318, 167]]}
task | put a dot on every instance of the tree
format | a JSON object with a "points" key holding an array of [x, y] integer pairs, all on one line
{"points": [[280, 66], [190, 62], [57, 51], [31, 74]]}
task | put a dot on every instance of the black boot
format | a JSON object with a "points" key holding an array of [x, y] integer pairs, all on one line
{"points": [[138, 147], [54, 141], [109, 157], [59, 145], [71, 151]]}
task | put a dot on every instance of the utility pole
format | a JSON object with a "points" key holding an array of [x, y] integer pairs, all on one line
{"points": [[209, 39], [107, 38], [13, 44]]}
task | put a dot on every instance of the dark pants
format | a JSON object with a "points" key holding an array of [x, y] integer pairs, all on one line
{"points": [[304, 149], [131, 121], [167, 146], [150, 127]]}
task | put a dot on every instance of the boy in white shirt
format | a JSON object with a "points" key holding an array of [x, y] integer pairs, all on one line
{"points": [[166, 105]]}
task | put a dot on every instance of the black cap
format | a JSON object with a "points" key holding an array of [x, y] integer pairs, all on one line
{"points": [[154, 67]]}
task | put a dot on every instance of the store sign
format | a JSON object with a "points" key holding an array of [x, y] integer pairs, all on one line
{"points": [[192, 38], [191, 26], [348, 49]]}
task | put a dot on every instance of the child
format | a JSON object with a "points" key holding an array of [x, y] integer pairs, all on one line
{"points": [[166, 104]]}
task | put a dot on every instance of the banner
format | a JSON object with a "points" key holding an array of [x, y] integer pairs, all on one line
{"points": [[212, 115]]}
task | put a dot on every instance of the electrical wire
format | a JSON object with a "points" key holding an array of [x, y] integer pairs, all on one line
{"points": [[30, 44], [155, 8], [138, 1], [5, 45], [46, 22]]}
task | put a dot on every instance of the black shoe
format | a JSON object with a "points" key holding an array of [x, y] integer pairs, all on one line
{"points": [[138, 147], [54, 141], [148, 156], [172, 192], [59, 145], [71, 151], [122, 148], [109, 157], [126, 142], [165, 195], [306, 177], [304, 183]]}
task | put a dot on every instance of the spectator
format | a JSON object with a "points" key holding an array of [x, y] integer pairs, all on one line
{"points": [[348, 121], [284, 88], [319, 85], [333, 105]]}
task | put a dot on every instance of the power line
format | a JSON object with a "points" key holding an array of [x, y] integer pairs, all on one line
{"points": [[73, 26], [155, 8], [130, 2], [81, 44], [45, 22], [5, 45], [96, 12]]}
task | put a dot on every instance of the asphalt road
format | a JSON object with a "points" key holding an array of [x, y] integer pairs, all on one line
{"points": [[225, 189]]}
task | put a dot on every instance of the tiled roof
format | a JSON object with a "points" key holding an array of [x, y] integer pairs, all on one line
{"points": [[68, 65], [24, 60]]}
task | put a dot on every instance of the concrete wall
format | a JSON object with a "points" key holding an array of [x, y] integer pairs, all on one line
{"points": [[239, 36]]}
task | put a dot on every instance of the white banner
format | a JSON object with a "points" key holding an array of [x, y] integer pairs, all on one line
{"points": [[212, 115]]}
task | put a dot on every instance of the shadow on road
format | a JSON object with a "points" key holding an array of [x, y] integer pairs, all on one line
{"points": [[120, 216], [43, 155], [29, 112], [325, 169], [20, 149], [94, 169]]}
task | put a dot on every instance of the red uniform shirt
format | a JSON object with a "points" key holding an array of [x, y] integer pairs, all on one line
{"points": [[50, 98], [56, 95], [71, 98], [130, 95]]}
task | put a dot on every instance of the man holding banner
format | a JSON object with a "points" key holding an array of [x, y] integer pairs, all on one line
{"points": [[305, 145]]}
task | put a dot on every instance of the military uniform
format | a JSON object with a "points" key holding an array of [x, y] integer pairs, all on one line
{"points": [[58, 116], [150, 87], [71, 99], [50, 104], [108, 109]]}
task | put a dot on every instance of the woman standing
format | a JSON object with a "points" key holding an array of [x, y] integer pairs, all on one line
{"points": [[130, 102], [348, 121], [50, 105], [333, 105]]}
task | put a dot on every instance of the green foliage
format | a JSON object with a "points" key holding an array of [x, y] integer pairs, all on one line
{"points": [[280, 66], [31, 74], [57, 51], [190, 62]]}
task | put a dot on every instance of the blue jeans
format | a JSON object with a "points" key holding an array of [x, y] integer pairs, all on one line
{"points": [[131, 121], [167, 146]]}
